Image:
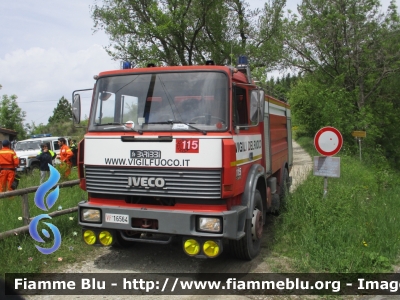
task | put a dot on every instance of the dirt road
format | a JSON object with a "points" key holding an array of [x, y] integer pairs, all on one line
{"points": [[149, 258]]}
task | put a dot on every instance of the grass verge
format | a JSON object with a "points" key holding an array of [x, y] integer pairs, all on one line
{"points": [[19, 254], [354, 229]]}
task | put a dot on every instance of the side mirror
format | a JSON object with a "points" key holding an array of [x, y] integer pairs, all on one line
{"points": [[76, 109], [255, 107], [262, 104]]}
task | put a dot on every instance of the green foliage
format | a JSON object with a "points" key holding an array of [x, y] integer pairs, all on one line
{"points": [[11, 115], [384, 115], [316, 105], [66, 128], [62, 113], [36, 129], [350, 64], [264, 36], [187, 32], [148, 31], [278, 88], [355, 229]]}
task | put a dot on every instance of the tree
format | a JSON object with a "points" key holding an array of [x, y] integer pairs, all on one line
{"points": [[348, 38], [266, 43], [347, 51], [185, 32], [62, 113], [37, 129], [11, 115]]}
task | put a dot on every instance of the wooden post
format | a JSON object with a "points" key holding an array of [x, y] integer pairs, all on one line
{"points": [[25, 209]]}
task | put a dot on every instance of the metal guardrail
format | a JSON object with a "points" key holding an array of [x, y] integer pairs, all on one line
{"points": [[25, 206]]}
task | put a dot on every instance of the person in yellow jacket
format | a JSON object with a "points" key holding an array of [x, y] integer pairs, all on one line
{"points": [[74, 149], [8, 163]]}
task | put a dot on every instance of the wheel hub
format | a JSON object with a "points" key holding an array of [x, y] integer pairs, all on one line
{"points": [[257, 223]]}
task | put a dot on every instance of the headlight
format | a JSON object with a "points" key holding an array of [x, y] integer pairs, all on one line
{"points": [[209, 224], [22, 161], [91, 215]]}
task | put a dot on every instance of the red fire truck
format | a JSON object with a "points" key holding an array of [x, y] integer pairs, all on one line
{"points": [[197, 153]]}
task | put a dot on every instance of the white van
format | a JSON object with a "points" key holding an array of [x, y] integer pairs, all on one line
{"points": [[27, 150]]}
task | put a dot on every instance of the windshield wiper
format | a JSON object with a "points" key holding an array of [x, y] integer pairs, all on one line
{"points": [[105, 124], [123, 125], [179, 122]]}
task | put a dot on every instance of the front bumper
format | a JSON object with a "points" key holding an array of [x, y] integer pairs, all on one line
{"points": [[173, 222], [21, 169]]}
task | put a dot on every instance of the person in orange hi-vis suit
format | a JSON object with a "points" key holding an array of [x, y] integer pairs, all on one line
{"points": [[65, 155], [8, 162]]}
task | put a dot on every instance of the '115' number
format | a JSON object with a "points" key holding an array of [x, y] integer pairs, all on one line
{"points": [[187, 145]]}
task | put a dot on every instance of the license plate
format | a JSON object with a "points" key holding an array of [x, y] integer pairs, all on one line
{"points": [[113, 218], [146, 154]]}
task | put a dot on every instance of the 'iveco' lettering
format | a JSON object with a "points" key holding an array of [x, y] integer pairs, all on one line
{"points": [[146, 182]]}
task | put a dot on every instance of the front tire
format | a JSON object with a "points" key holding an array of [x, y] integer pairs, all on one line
{"points": [[249, 246]]}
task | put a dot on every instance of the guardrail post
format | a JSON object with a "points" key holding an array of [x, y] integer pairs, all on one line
{"points": [[25, 209]]}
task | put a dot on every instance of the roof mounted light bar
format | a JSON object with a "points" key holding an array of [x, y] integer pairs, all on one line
{"points": [[126, 65]]}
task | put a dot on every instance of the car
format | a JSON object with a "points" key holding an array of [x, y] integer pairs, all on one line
{"points": [[27, 150]]}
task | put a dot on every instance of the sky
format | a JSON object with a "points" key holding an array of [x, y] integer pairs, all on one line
{"points": [[48, 49]]}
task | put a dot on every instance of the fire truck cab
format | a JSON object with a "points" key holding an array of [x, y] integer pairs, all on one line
{"points": [[198, 153]]}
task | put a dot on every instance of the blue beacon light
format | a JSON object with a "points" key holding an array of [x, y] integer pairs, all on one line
{"points": [[126, 65], [242, 60]]}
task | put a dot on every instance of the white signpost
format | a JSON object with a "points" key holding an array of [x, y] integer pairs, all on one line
{"points": [[328, 141]]}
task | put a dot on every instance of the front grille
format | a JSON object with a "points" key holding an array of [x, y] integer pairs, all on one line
{"points": [[179, 183]]}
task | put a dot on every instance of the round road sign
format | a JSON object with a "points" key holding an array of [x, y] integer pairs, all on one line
{"points": [[328, 141]]}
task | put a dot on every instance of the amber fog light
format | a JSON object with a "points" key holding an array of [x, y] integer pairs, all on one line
{"points": [[89, 237], [191, 247], [211, 249], [105, 238]]}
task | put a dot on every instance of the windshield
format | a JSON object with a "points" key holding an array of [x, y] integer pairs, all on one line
{"points": [[161, 102], [28, 145]]}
